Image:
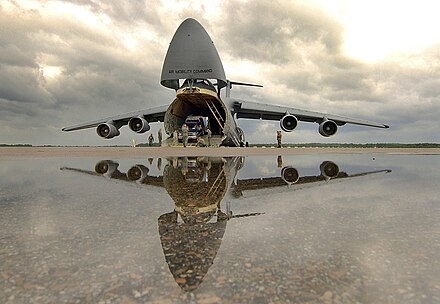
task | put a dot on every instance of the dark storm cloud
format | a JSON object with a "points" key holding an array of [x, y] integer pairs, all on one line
{"points": [[277, 31], [11, 110], [22, 91], [22, 84], [296, 48], [96, 70], [301, 46], [147, 14], [301, 50], [126, 12]]}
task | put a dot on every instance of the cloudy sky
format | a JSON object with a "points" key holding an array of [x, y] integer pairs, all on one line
{"points": [[67, 62]]}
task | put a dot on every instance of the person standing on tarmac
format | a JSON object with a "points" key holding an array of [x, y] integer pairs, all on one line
{"points": [[150, 140], [279, 135], [185, 134], [175, 137], [159, 137], [208, 131], [200, 142]]}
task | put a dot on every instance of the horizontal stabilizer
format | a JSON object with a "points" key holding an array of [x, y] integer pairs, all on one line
{"points": [[244, 84]]}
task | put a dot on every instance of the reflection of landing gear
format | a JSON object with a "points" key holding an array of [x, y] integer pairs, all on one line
{"points": [[228, 210]]}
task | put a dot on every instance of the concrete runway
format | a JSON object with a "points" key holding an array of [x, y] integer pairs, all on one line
{"points": [[14, 152], [74, 236]]}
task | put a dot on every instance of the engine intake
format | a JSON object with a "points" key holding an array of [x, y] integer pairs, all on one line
{"points": [[289, 175], [137, 173], [139, 124], [107, 130], [288, 123], [329, 169], [106, 168], [328, 128]]}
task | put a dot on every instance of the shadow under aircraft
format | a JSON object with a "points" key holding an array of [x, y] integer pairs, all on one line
{"points": [[191, 234]]}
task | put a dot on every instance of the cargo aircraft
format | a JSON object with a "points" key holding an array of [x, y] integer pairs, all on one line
{"points": [[193, 68]]}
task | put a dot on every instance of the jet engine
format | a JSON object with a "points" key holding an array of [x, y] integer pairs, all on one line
{"points": [[328, 128], [329, 170], [289, 175], [106, 168], [107, 130], [137, 173], [288, 123], [139, 124]]}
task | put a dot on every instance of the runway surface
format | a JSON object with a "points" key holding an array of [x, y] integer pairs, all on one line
{"points": [[118, 225], [193, 151]]}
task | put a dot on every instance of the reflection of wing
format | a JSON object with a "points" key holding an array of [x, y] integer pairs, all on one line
{"points": [[119, 176], [253, 110], [151, 115], [260, 187]]}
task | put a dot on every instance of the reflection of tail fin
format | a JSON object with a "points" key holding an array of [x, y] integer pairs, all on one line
{"points": [[385, 171], [247, 214]]}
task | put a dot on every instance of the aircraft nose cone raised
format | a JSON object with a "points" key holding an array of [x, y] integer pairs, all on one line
{"points": [[191, 54]]}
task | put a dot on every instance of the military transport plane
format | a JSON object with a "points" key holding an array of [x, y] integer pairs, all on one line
{"points": [[193, 68]]}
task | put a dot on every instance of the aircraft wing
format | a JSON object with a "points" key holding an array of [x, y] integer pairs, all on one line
{"points": [[151, 115], [155, 181], [254, 110], [273, 185]]}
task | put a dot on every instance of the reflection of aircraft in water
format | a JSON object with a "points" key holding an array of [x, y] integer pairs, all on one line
{"points": [[191, 234]]}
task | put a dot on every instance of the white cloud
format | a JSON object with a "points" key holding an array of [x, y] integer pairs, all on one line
{"points": [[378, 30]]}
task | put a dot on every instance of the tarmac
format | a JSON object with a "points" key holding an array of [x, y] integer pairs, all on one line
{"points": [[73, 236], [14, 152]]}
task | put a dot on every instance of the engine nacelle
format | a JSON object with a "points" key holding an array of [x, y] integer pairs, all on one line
{"points": [[328, 128], [288, 123], [289, 175], [106, 168], [329, 169], [139, 124], [107, 130], [137, 173]]}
